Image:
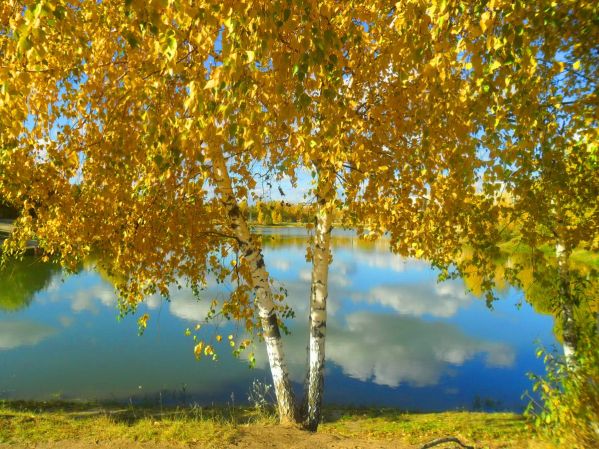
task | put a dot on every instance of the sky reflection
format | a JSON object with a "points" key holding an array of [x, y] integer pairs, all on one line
{"points": [[395, 337]]}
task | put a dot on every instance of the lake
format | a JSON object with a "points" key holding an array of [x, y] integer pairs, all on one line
{"points": [[396, 337]]}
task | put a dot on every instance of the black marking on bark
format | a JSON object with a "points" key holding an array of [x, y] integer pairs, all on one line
{"points": [[314, 399], [319, 331], [317, 334], [271, 326], [260, 262], [249, 252]]}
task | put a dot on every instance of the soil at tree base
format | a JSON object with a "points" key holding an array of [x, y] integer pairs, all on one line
{"points": [[266, 437]]}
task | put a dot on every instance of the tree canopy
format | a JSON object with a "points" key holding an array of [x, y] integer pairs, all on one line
{"points": [[135, 129]]}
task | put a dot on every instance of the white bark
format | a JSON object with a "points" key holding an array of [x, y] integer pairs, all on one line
{"points": [[318, 307], [262, 290], [567, 307]]}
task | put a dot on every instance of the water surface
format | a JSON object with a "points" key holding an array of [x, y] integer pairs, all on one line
{"points": [[396, 337]]}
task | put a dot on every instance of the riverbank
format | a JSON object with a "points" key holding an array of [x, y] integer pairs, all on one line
{"points": [[6, 227], [82, 426]]}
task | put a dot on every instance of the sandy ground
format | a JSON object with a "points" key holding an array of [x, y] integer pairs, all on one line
{"points": [[282, 440], [247, 438], [264, 439]]}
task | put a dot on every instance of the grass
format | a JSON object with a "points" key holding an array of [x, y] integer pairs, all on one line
{"points": [[580, 256], [24, 422], [484, 428], [27, 422], [588, 258]]}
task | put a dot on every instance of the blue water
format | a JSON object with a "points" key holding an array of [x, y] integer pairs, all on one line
{"points": [[396, 338]]}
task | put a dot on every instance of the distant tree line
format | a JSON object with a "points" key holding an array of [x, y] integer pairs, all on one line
{"points": [[279, 212]]}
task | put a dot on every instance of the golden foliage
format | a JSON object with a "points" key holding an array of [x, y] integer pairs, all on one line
{"points": [[418, 113]]}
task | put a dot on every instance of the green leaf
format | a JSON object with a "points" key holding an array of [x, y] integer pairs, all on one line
{"points": [[132, 40], [24, 43], [171, 47]]}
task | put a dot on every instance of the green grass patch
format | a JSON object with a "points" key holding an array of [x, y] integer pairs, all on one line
{"points": [[26, 422], [588, 258], [486, 429], [30, 422], [579, 256]]}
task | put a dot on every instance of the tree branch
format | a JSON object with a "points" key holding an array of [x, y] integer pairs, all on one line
{"points": [[445, 440]]}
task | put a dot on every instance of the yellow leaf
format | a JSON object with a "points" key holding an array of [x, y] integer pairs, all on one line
{"points": [[197, 350], [494, 65], [74, 159], [143, 321], [485, 20], [211, 83]]}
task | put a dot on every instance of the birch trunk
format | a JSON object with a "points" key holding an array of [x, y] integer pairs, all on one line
{"points": [[262, 290], [318, 309], [567, 307]]}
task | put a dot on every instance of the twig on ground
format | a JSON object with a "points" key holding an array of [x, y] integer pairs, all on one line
{"points": [[445, 440]]}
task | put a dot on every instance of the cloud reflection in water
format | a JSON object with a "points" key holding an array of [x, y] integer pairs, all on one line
{"points": [[14, 334]]}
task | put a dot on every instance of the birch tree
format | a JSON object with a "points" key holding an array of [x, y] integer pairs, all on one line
{"points": [[130, 129], [545, 158], [446, 102]]}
